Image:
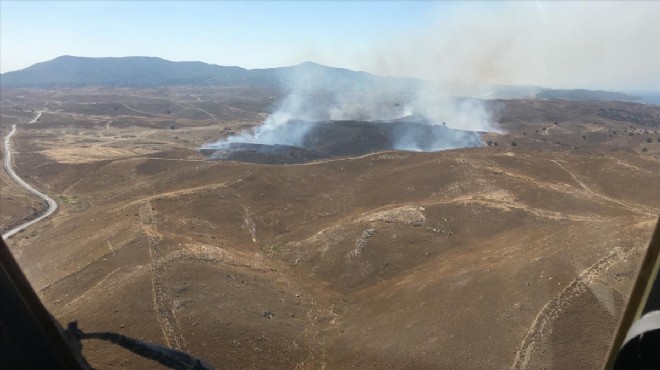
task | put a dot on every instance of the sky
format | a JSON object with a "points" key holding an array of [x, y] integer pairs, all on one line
{"points": [[607, 45]]}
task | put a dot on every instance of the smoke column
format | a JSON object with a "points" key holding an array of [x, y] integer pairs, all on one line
{"points": [[318, 94]]}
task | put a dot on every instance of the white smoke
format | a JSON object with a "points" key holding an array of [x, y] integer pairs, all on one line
{"points": [[318, 94], [609, 45]]}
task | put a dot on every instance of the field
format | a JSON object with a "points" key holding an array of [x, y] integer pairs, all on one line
{"points": [[517, 254]]}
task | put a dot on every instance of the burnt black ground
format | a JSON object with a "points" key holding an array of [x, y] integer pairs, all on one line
{"points": [[331, 139]]}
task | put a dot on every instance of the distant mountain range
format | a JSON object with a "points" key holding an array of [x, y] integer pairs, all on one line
{"points": [[70, 71]]}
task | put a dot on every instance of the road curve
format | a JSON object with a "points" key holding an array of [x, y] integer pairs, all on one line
{"points": [[52, 205]]}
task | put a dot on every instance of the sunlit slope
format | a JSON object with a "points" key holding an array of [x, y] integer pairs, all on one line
{"points": [[396, 259]]}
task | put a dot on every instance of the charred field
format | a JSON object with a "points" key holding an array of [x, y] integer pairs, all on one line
{"points": [[333, 139], [506, 254]]}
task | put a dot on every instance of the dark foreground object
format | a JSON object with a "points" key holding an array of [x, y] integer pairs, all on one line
{"points": [[332, 139], [637, 342], [30, 338]]}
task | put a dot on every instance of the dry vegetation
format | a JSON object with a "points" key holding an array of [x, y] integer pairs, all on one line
{"points": [[496, 257]]}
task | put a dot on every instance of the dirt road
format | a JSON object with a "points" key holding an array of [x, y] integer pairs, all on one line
{"points": [[52, 205]]}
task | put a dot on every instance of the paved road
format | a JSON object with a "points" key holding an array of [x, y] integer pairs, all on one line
{"points": [[52, 205]]}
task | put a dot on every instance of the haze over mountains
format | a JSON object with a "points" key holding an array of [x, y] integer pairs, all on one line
{"points": [[72, 71]]}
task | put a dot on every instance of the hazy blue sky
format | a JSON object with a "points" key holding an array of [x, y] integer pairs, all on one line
{"points": [[567, 44], [248, 34]]}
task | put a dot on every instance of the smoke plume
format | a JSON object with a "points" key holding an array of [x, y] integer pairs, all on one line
{"points": [[607, 45], [318, 94]]}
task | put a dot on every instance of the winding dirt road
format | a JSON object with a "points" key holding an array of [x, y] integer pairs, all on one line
{"points": [[52, 205]]}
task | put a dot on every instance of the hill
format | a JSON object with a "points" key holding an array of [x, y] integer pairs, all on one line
{"points": [[71, 71], [501, 256]]}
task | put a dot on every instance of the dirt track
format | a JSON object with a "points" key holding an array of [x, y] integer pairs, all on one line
{"points": [[52, 205]]}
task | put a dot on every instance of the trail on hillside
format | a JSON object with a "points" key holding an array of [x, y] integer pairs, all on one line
{"points": [[633, 207]]}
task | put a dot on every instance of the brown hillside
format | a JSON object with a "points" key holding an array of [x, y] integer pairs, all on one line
{"points": [[495, 257]]}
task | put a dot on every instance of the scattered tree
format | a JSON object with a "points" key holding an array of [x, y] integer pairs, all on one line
{"points": [[644, 150], [513, 143], [649, 140]]}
